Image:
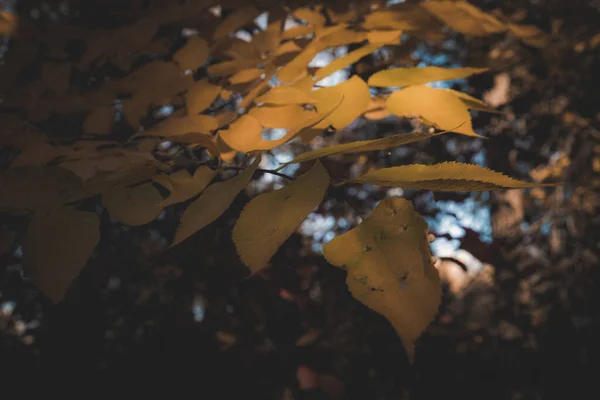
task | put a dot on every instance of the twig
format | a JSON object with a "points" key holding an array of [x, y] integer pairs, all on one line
{"points": [[265, 171]]}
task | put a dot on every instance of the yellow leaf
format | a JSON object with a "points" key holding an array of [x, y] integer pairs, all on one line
{"points": [[239, 49], [234, 21], [384, 37], [243, 134], [193, 54], [133, 206], [395, 19], [38, 188], [201, 96], [212, 203], [436, 107], [57, 247], [389, 267], [363, 145], [444, 177], [418, 76], [179, 126], [313, 17], [246, 75], [184, 186], [464, 17], [271, 218], [343, 62], [267, 41], [100, 121], [296, 68], [285, 95], [343, 37]]}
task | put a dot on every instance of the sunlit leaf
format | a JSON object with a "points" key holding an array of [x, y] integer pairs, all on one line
{"points": [[193, 55], [418, 76], [271, 218], [201, 96], [376, 109], [473, 103], [134, 206], [297, 31], [234, 21], [444, 177], [57, 247], [464, 17], [212, 203], [296, 68], [231, 67], [184, 186], [395, 19], [284, 117], [363, 145], [343, 62], [387, 258], [436, 107]]}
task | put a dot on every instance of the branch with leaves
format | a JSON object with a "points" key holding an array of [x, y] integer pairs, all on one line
{"points": [[225, 89]]}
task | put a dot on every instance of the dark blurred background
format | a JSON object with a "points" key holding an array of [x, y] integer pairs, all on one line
{"points": [[521, 313]]}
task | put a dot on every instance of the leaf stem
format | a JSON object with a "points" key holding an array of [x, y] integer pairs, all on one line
{"points": [[265, 171]]}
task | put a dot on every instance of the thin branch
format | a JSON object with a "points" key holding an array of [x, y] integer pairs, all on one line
{"points": [[265, 171]]}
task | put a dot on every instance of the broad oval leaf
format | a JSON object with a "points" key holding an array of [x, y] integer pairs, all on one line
{"points": [[271, 218], [389, 267], [363, 145], [444, 177], [243, 134], [57, 247], [284, 117], [134, 206], [193, 54], [212, 203], [436, 107], [418, 76]]}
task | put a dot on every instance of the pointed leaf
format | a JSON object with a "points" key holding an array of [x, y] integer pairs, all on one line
{"points": [[134, 206], [234, 21], [243, 134], [343, 62], [57, 247], [444, 177], [384, 37], [271, 218], [464, 17], [389, 268], [363, 145], [175, 126], [418, 76], [436, 107], [212, 203], [246, 75], [473, 103]]}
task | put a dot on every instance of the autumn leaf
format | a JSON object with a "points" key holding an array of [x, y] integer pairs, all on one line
{"points": [[444, 177], [193, 54], [243, 134], [269, 219], [418, 76], [234, 21], [362, 146], [8, 23], [384, 37], [184, 186], [212, 203], [57, 246], [176, 126], [389, 267], [435, 107], [134, 206]]}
